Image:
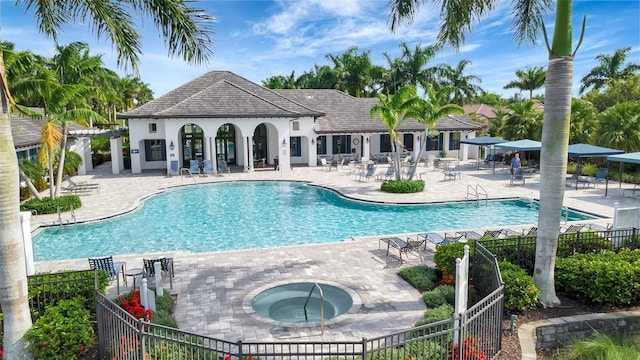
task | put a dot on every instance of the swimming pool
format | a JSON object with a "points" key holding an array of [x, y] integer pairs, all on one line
{"points": [[243, 215]]}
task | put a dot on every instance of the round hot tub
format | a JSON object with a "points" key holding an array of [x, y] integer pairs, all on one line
{"points": [[286, 303]]}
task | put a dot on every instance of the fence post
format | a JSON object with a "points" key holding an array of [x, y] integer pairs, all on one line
{"points": [[364, 348], [141, 337], [240, 349]]}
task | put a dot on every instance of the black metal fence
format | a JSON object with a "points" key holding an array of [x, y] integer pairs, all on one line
{"points": [[521, 250], [480, 328]]}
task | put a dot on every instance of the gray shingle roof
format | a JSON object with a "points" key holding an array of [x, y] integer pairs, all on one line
{"points": [[348, 114], [26, 132], [221, 94]]}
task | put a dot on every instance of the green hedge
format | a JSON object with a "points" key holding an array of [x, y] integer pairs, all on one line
{"points": [[446, 255], [520, 291], [605, 278], [402, 186], [420, 277], [50, 206]]}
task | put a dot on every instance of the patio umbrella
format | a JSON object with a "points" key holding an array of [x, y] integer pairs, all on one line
{"points": [[484, 141], [522, 145], [586, 150]]}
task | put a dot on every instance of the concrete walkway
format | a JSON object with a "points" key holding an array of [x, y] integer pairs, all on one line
{"points": [[214, 290]]}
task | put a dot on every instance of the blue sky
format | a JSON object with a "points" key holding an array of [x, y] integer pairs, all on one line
{"points": [[259, 39]]}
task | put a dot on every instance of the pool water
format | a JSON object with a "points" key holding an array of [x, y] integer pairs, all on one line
{"points": [[245, 215]]}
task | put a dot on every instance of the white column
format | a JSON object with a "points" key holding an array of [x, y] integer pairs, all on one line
{"points": [[366, 148], [83, 148], [117, 160], [25, 221]]}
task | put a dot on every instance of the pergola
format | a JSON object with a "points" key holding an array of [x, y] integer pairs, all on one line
{"points": [[484, 141], [585, 150]]}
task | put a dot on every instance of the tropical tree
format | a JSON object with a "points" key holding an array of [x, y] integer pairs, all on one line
{"points": [[320, 77], [354, 70], [530, 80], [610, 68], [619, 127], [457, 21], [583, 121], [281, 82], [393, 109], [414, 64], [186, 35], [615, 92], [521, 121], [429, 110], [463, 85]]}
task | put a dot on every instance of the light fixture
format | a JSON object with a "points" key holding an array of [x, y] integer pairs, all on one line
{"points": [[313, 141], [284, 143], [171, 146], [418, 138], [366, 139]]}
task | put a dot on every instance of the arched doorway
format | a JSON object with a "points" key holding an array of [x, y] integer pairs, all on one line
{"points": [[260, 138], [192, 143], [226, 143]]}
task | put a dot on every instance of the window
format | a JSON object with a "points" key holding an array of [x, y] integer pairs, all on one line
{"points": [[294, 146], [454, 141], [433, 142], [407, 141], [341, 144], [321, 145], [155, 150], [385, 143], [153, 127]]}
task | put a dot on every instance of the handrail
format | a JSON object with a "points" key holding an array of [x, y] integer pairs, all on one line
{"points": [[73, 213], [306, 317], [477, 194], [566, 213], [59, 216]]}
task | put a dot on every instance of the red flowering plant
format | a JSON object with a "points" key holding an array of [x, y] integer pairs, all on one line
{"points": [[469, 350], [131, 304], [447, 279]]}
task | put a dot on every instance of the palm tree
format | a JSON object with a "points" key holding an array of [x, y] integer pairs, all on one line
{"points": [[414, 72], [619, 127], [610, 68], [522, 121], [583, 121], [463, 85], [527, 23], [354, 71], [186, 35], [320, 77], [431, 109], [530, 79], [392, 109]]}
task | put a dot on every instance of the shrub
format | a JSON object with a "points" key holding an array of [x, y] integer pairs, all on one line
{"points": [[164, 307], [446, 255], [130, 302], [601, 278], [520, 292], [63, 332], [50, 206], [421, 277], [433, 299], [442, 312], [402, 186]]}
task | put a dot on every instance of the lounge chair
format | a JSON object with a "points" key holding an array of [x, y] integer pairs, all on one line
{"points": [[601, 175], [518, 176], [222, 167], [80, 186], [574, 228], [174, 168], [371, 171], [166, 266], [438, 239], [403, 246], [391, 171], [194, 167], [324, 163], [451, 174], [207, 167], [410, 170], [533, 231], [113, 268]]}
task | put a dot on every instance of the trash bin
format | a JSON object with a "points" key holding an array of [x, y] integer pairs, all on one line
{"points": [[275, 163]]}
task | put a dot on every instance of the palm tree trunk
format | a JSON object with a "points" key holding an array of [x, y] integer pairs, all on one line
{"points": [[52, 183], [63, 148], [13, 273], [553, 167], [30, 185]]}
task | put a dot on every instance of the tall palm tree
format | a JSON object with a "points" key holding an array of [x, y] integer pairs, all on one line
{"points": [[414, 63], [527, 23], [320, 77], [392, 109], [186, 35], [610, 68], [522, 121], [463, 85], [354, 71], [531, 79], [430, 109]]}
